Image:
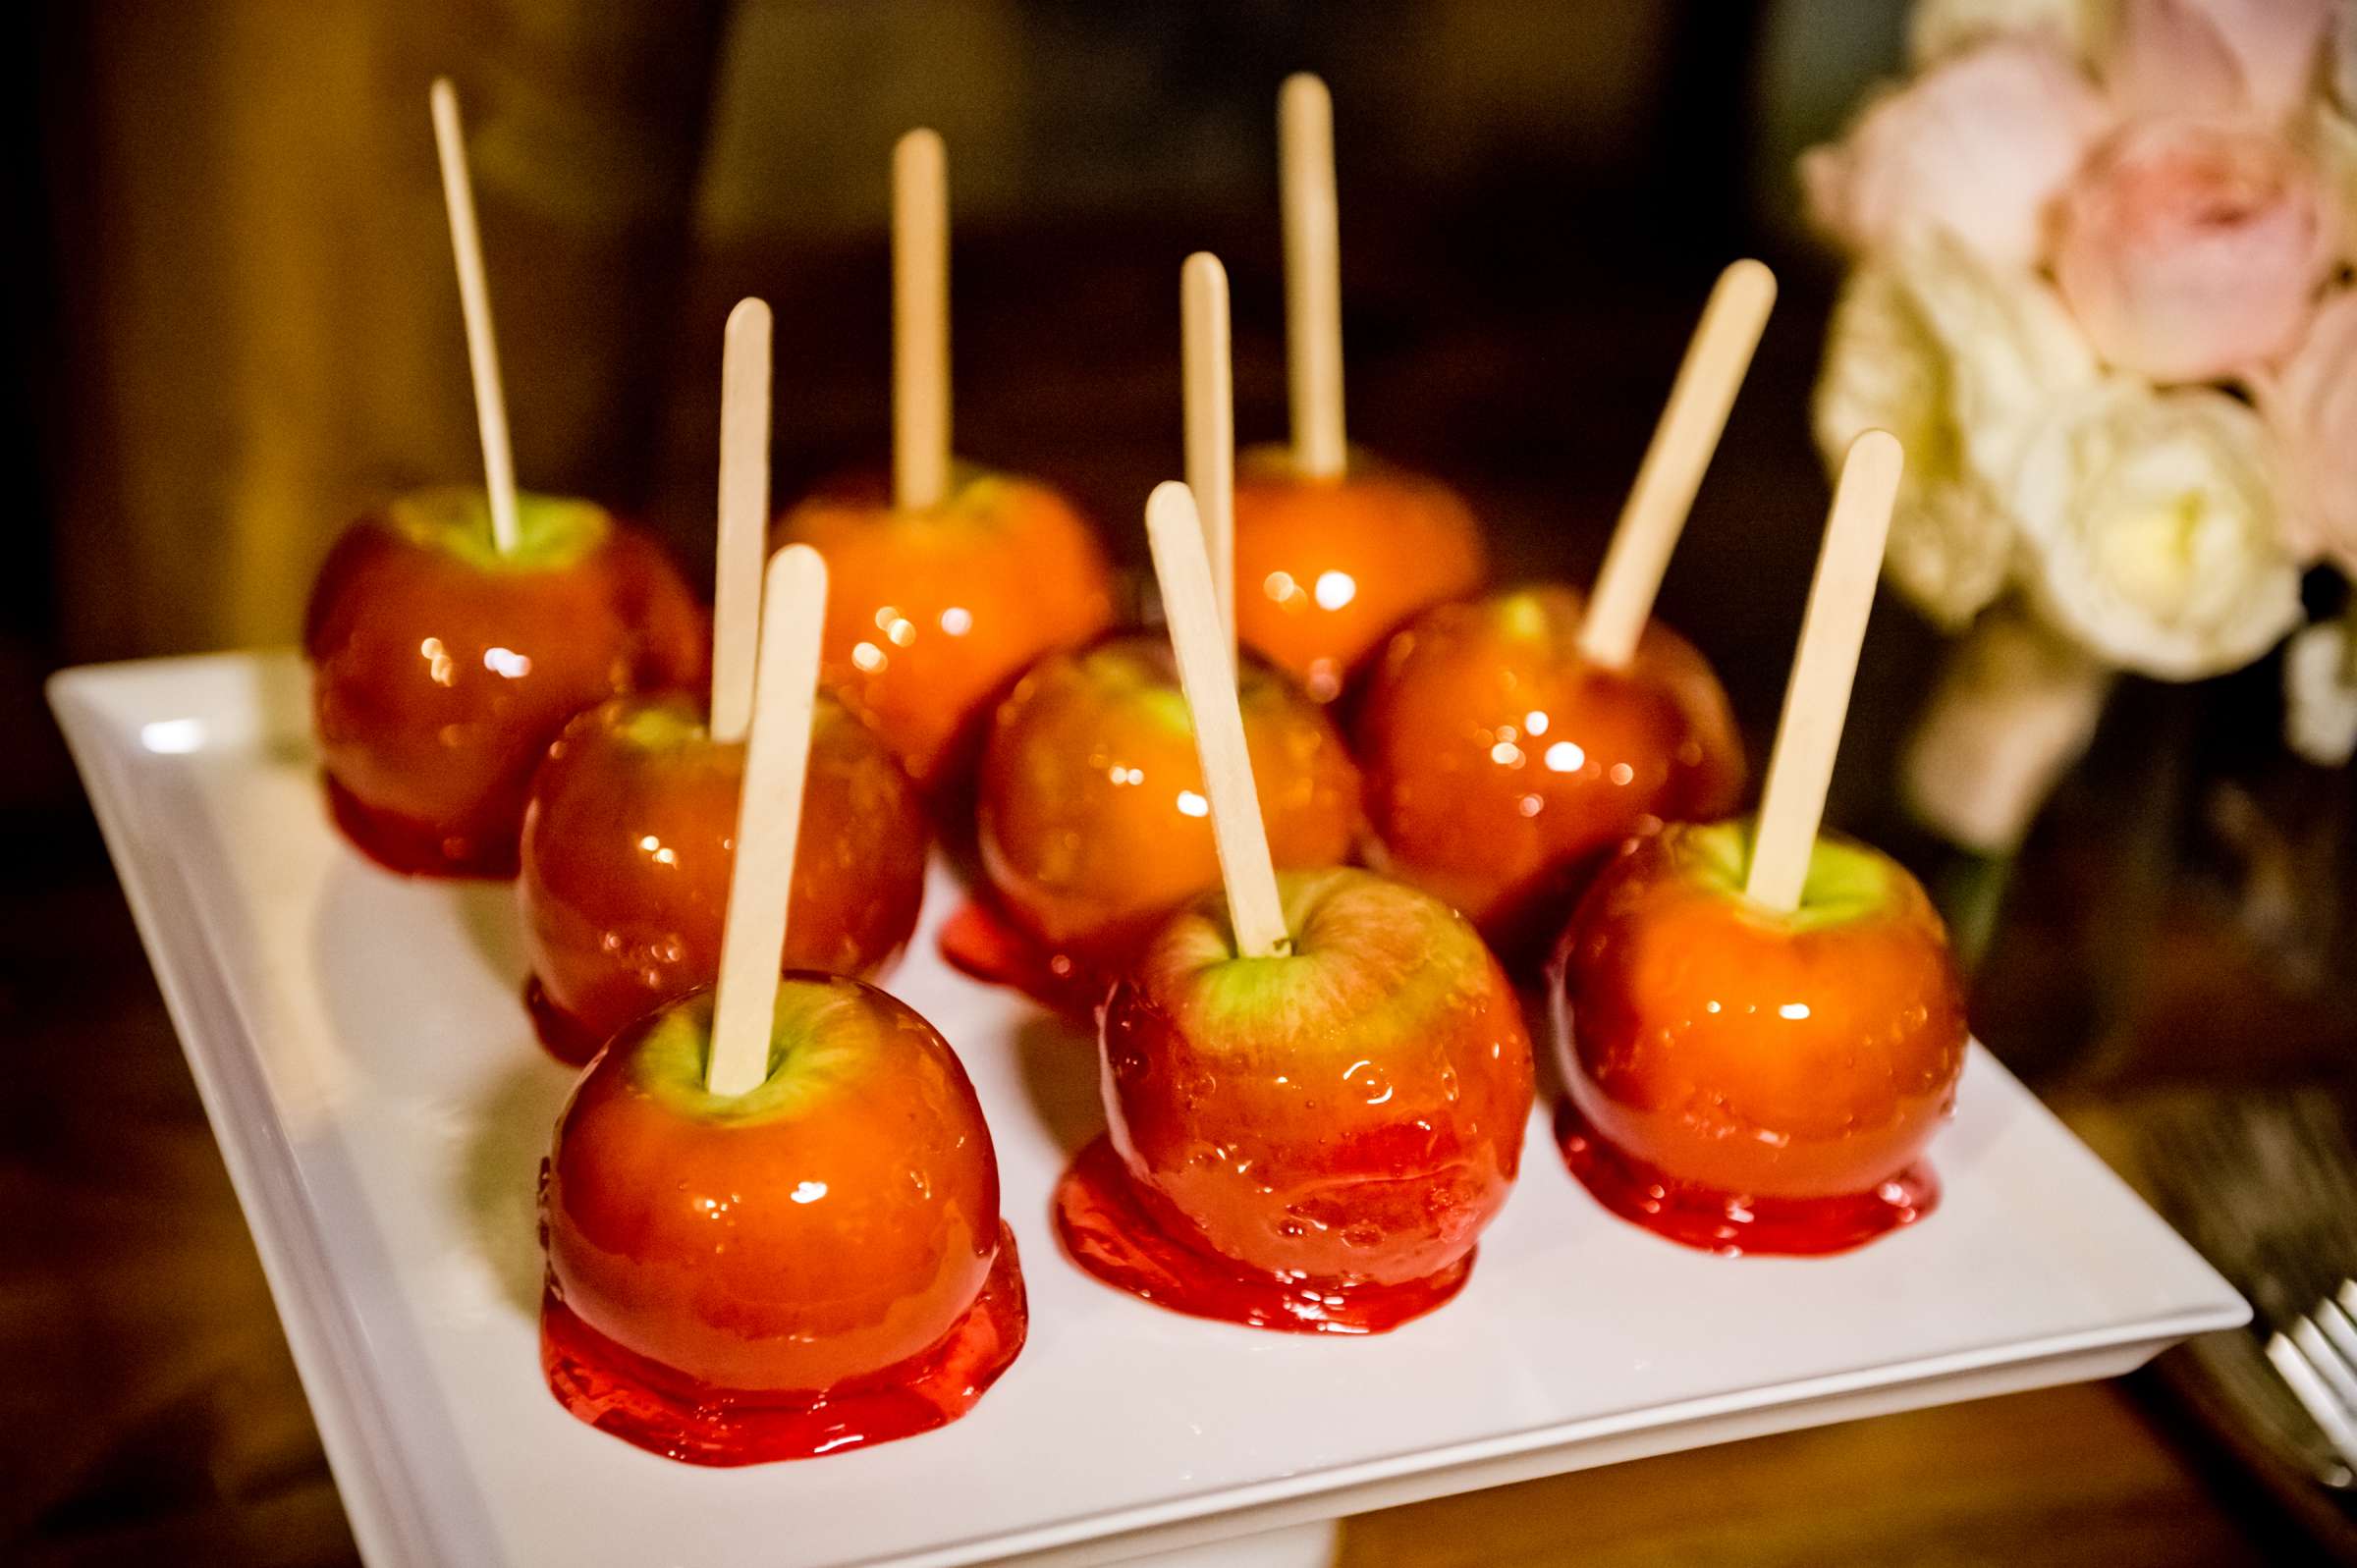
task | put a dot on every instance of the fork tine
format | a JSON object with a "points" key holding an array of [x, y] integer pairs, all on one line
{"points": [[2315, 1395], [2328, 1365], [2337, 1327]]}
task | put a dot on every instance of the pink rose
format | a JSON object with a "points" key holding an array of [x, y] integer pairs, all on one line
{"points": [[2311, 407], [2190, 251], [2217, 57], [1979, 145]]}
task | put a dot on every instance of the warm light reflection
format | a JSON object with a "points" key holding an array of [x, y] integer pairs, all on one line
{"points": [[868, 656], [1564, 756], [508, 663], [173, 736], [438, 664], [1793, 1009], [1191, 804], [1335, 589], [957, 620]]}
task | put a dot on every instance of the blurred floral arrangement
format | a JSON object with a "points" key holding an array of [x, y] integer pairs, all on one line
{"points": [[2101, 288]]}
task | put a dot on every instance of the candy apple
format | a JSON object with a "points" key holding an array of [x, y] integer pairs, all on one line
{"points": [[629, 845], [1749, 1081], [932, 613], [1092, 820], [1503, 764], [813, 1266], [1325, 567], [1311, 1142], [443, 666]]}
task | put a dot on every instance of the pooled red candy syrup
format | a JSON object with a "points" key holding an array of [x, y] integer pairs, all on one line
{"points": [[814, 1265], [1734, 1224], [1311, 1143], [1090, 818], [629, 845], [442, 668], [978, 940], [1116, 1230], [671, 1413], [1745, 1081]]}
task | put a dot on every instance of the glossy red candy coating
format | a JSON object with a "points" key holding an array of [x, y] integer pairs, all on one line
{"points": [[629, 846], [1349, 1116], [1502, 764], [1117, 1231], [1749, 1081], [644, 1402], [931, 615], [1326, 568], [441, 670], [816, 1239], [1091, 819]]}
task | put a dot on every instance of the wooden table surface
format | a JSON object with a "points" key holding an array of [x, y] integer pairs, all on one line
{"points": [[149, 1413]]}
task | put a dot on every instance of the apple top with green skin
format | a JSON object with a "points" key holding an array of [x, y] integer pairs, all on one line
{"points": [[442, 668], [837, 1220], [1501, 763], [1092, 821], [1325, 567], [629, 847], [931, 615], [1748, 1052], [1354, 1110]]}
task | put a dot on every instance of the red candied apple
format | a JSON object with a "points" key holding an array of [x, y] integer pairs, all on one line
{"points": [[629, 846], [1749, 1081], [813, 1266], [1092, 820], [933, 612], [1312, 1142], [1501, 763], [1325, 567], [442, 668]]}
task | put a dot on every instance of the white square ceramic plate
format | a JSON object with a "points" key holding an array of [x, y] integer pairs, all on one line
{"points": [[382, 1107]]}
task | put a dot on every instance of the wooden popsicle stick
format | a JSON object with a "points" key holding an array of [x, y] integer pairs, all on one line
{"points": [[1313, 274], [1817, 698], [769, 822], [474, 303], [1209, 394], [744, 375], [1207, 676], [921, 321], [1680, 450]]}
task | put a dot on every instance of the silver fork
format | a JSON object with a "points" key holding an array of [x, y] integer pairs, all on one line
{"points": [[2265, 1185], [2317, 1359]]}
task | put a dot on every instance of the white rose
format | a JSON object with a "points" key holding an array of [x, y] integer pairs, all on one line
{"points": [[2151, 529], [2015, 705], [2320, 695], [1943, 27], [1958, 360]]}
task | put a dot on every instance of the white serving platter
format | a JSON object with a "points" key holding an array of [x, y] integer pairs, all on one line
{"points": [[382, 1107]]}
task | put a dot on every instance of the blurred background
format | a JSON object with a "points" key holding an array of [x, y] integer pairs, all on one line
{"points": [[234, 328]]}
